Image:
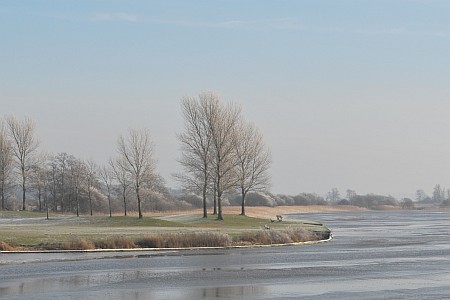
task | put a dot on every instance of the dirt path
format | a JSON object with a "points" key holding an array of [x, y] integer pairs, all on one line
{"points": [[270, 212]]}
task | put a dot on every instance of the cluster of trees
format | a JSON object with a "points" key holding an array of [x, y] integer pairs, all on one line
{"points": [[440, 196], [65, 183], [370, 201], [220, 152], [223, 157]]}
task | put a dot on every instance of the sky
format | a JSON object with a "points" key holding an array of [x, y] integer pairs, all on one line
{"points": [[352, 94]]}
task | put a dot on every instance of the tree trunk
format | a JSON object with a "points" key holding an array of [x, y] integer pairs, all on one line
{"points": [[39, 199], [139, 202], [23, 198], [78, 203], [3, 197], [205, 212], [124, 201], [23, 190], [109, 203], [215, 200], [243, 204], [219, 204]]}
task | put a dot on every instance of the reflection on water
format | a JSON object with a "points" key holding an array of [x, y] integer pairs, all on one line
{"points": [[78, 282], [34, 287], [226, 292]]}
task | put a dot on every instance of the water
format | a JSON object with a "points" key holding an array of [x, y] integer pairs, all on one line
{"points": [[374, 255]]}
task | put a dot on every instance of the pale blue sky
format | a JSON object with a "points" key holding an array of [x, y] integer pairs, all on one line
{"points": [[349, 94]]}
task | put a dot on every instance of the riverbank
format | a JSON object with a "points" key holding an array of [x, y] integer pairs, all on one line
{"points": [[26, 231]]}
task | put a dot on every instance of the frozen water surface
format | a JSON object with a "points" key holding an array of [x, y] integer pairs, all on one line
{"points": [[374, 255]]}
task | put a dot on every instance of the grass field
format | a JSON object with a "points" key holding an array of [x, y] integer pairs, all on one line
{"points": [[31, 230]]}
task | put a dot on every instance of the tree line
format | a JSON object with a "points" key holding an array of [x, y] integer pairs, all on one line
{"points": [[221, 153], [223, 157]]}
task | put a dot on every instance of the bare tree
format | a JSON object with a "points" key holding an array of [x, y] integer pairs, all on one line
{"points": [[333, 195], [350, 194], [121, 175], [76, 169], [438, 193], [136, 151], [420, 195], [61, 165], [106, 174], [24, 145], [222, 121], [52, 180], [252, 161], [39, 179], [6, 164], [196, 145], [91, 179]]}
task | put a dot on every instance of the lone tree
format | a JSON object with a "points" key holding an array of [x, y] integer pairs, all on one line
{"points": [[25, 144], [333, 195], [106, 174], [222, 121], [136, 152], [6, 164], [196, 146], [91, 179], [252, 161], [77, 169], [121, 175]]}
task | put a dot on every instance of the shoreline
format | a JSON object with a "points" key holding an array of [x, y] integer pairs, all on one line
{"points": [[171, 230], [166, 249]]}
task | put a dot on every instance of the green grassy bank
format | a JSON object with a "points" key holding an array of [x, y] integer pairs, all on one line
{"points": [[32, 231]]}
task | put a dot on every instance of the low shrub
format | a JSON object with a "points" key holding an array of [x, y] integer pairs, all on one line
{"points": [[118, 242], [269, 237], [78, 245], [183, 240]]}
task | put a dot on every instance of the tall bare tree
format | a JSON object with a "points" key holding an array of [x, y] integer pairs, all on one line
{"points": [[196, 146], [91, 179], [6, 164], [350, 194], [106, 174], [39, 178], [25, 144], [61, 166], [438, 193], [222, 121], [252, 161], [76, 168], [333, 195], [121, 175], [136, 151]]}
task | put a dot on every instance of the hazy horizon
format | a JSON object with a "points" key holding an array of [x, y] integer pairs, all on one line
{"points": [[348, 94]]}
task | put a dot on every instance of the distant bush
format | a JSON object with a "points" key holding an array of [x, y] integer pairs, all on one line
{"points": [[194, 200], [157, 201], [344, 202], [372, 201], [407, 203]]}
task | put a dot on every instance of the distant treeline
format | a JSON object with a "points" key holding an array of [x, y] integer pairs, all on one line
{"points": [[370, 201]]}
